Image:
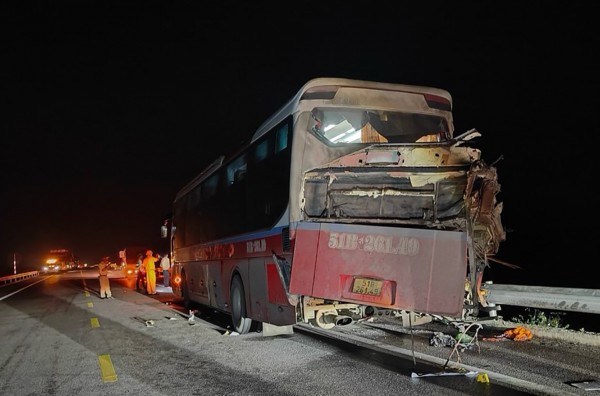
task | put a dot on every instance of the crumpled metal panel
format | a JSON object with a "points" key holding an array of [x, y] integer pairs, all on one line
{"points": [[485, 211]]}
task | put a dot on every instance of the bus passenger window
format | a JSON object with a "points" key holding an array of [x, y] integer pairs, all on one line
{"points": [[261, 151], [282, 139], [209, 187], [239, 174], [236, 171]]}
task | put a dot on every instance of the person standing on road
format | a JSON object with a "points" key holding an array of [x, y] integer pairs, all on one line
{"points": [[165, 264], [150, 267], [103, 275], [140, 280]]}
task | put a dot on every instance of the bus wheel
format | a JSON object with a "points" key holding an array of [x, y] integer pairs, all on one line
{"points": [[185, 293], [241, 323]]}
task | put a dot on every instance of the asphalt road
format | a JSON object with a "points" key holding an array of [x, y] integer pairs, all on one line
{"points": [[60, 338]]}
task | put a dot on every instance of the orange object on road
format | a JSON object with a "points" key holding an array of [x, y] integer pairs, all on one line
{"points": [[519, 333]]}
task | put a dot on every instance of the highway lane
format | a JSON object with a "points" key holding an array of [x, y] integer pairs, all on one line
{"points": [[60, 338]]}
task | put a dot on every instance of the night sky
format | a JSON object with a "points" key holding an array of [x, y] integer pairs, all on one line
{"points": [[107, 113]]}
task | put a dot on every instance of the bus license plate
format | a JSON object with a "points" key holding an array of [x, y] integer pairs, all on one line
{"points": [[367, 286]]}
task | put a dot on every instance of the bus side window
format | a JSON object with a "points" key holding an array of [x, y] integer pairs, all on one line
{"points": [[261, 151], [281, 140], [236, 171], [239, 175]]}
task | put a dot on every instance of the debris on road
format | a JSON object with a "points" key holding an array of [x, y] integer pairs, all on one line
{"points": [[518, 333], [444, 374]]}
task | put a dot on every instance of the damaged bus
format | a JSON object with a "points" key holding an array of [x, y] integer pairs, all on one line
{"points": [[354, 199]]}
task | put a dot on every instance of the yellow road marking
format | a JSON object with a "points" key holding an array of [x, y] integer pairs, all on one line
{"points": [[95, 322], [107, 369], [90, 305], [87, 293]]}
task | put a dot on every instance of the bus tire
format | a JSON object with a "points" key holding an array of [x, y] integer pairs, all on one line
{"points": [[185, 293], [241, 323]]}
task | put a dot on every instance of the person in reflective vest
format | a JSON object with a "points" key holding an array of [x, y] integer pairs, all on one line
{"points": [[103, 276], [150, 267]]}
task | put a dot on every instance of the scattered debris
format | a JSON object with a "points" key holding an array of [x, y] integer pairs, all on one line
{"points": [[518, 333], [483, 377], [586, 385], [147, 322], [439, 339], [444, 374], [464, 341], [461, 341], [171, 318], [192, 316]]}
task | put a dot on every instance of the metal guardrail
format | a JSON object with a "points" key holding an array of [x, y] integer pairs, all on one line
{"points": [[554, 298], [18, 277], [543, 297]]}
